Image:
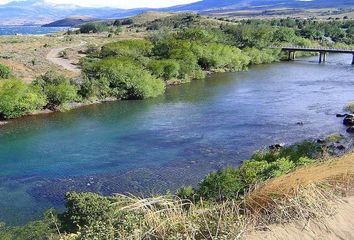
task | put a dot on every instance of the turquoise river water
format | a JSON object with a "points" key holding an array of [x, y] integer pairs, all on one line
{"points": [[158, 144]]}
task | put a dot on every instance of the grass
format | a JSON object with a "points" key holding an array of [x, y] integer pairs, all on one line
{"points": [[26, 55], [311, 193]]}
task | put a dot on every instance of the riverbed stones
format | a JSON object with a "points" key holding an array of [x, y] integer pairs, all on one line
{"points": [[350, 130], [277, 146], [349, 120], [341, 115]]}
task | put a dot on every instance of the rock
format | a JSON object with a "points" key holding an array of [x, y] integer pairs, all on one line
{"points": [[349, 120], [300, 123], [350, 130], [277, 146], [321, 141], [341, 115], [340, 147]]}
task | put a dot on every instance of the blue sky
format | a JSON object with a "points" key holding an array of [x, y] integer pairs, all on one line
{"points": [[119, 3]]}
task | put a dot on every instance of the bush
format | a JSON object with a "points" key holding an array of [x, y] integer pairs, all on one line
{"points": [[127, 48], [93, 28], [18, 98], [220, 57], [221, 185], [85, 209], [5, 72], [127, 79], [262, 56], [231, 183], [37, 230], [166, 68], [58, 89]]}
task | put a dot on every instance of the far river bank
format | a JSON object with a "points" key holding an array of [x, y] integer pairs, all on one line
{"points": [[163, 143]]}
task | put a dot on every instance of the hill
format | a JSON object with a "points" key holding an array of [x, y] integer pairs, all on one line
{"points": [[70, 21], [208, 5], [42, 12]]}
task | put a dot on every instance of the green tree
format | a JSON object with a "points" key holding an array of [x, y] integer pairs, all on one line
{"points": [[165, 68], [18, 98], [58, 89], [127, 79]]}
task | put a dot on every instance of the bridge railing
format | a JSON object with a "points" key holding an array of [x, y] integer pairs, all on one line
{"points": [[312, 48]]}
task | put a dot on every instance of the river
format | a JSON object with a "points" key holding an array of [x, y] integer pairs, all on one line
{"points": [[158, 144]]}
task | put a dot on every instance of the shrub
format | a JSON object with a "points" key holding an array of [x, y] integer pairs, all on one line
{"points": [[61, 94], [220, 57], [221, 185], [166, 68], [38, 230], [127, 48], [58, 89], [127, 79], [186, 193], [231, 183], [262, 56], [5, 72], [85, 209], [93, 28], [18, 98]]}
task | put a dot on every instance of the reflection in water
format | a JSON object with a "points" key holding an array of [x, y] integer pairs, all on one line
{"points": [[159, 144]]}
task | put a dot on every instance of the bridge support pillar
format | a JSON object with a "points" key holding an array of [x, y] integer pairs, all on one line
{"points": [[320, 60], [324, 57], [353, 60], [291, 55]]}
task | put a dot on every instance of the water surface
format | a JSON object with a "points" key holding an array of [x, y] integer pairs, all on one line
{"points": [[158, 144], [29, 30]]}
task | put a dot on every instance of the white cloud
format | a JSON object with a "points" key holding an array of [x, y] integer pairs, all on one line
{"points": [[119, 3]]}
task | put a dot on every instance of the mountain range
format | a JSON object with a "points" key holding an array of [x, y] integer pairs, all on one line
{"points": [[41, 12]]}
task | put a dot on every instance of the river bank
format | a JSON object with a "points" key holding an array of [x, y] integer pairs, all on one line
{"points": [[173, 140]]}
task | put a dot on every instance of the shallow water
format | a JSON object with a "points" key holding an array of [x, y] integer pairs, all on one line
{"points": [[158, 144]]}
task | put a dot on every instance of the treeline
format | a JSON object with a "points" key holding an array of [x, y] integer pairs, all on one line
{"points": [[91, 216], [141, 68], [51, 91], [337, 31]]}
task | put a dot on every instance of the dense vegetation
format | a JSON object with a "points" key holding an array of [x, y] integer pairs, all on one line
{"points": [[328, 32], [91, 216], [141, 68], [179, 48]]}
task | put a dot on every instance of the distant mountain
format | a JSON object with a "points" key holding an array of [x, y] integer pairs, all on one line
{"points": [[41, 12], [207, 5]]}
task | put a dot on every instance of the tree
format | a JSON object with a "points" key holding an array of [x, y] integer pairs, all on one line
{"points": [[58, 89], [18, 98], [165, 68], [126, 78]]}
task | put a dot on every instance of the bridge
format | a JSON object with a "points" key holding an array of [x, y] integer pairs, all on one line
{"points": [[322, 52]]}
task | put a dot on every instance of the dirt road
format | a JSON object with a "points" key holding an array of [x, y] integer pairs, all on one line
{"points": [[53, 56]]}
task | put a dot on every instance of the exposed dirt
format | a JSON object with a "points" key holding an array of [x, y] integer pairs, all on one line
{"points": [[54, 57], [340, 226]]}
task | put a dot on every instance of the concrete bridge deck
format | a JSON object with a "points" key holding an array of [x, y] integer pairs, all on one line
{"points": [[322, 51]]}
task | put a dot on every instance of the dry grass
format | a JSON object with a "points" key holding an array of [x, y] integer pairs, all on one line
{"points": [[172, 218], [26, 55], [308, 195]]}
